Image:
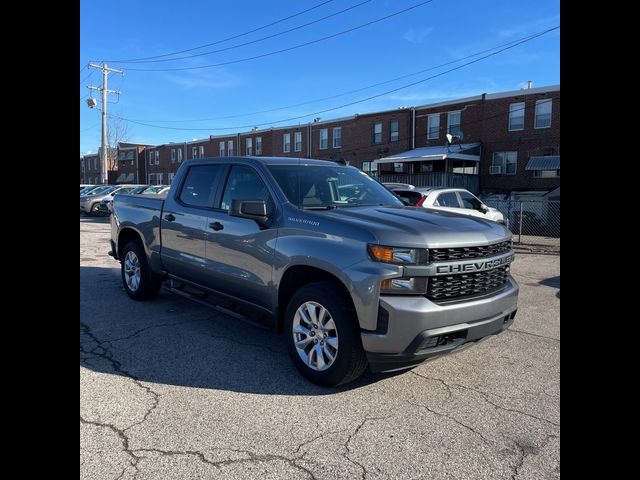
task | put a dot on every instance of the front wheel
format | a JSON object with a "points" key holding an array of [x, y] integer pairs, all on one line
{"points": [[323, 336], [138, 280]]}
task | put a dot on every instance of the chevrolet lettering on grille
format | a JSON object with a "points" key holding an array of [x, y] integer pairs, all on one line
{"points": [[473, 266]]}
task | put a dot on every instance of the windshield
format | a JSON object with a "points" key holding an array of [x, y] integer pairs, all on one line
{"points": [[321, 187]]}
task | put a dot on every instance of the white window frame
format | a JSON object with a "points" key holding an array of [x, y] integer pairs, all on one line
{"points": [[173, 155], [297, 141], [366, 167], [430, 120], [230, 148], [221, 148], [151, 156], [392, 131], [171, 175], [516, 111], [179, 155], [157, 159], [338, 137], [375, 133], [258, 145], [459, 124], [546, 101], [504, 162], [324, 138], [286, 142], [201, 151], [194, 152], [248, 145]]}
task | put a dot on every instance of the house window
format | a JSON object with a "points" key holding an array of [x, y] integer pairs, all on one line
{"points": [[151, 157], [286, 142], [546, 173], [258, 145], [298, 142], [156, 156], [249, 146], [324, 139], [393, 131], [543, 113], [337, 137], [201, 150], [222, 149], [194, 152], [504, 163], [453, 123], [179, 155], [230, 148], [122, 155], [171, 175], [366, 167], [516, 116], [377, 132], [397, 167], [173, 155]]}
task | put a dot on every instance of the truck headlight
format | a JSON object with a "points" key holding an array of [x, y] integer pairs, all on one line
{"points": [[398, 255], [404, 286]]}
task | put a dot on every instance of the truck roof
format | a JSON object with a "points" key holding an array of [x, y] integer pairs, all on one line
{"points": [[271, 160]]}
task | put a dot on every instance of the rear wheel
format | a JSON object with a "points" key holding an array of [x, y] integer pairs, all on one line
{"points": [[323, 336], [138, 280]]}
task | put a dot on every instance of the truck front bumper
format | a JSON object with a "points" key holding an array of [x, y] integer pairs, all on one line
{"points": [[418, 329]]}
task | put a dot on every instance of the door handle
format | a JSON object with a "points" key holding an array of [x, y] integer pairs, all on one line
{"points": [[169, 218], [216, 226]]}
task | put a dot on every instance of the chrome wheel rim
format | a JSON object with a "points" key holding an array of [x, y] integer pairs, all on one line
{"points": [[315, 336], [132, 271]]}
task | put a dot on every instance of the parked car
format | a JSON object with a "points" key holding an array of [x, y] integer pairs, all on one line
{"points": [[351, 282], [454, 200], [91, 188], [89, 204], [104, 206], [153, 189]]}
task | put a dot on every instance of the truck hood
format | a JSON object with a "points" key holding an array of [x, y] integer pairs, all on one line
{"points": [[420, 227]]}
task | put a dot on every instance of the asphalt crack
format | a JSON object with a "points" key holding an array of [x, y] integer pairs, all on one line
{"points": [[102, 352], [348, 441], [511, 329], [450, 417], [435, 379]]}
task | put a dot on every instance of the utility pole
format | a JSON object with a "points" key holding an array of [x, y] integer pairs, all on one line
{"points": [[103, 151]]}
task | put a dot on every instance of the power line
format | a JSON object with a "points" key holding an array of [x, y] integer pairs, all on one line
{"points": [[256, 40], [239, 127], [284, 49], [224, 39], [344, 93]]}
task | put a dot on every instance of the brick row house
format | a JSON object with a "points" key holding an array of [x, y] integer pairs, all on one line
{"points": [[498, 143]]}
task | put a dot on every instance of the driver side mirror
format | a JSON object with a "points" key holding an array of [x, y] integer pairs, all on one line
{"points": [[253, 209], [484, 208]]}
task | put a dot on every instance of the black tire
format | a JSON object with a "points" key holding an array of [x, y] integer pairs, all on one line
{"points": [[350, 360], [94, 210], [148, 283]]}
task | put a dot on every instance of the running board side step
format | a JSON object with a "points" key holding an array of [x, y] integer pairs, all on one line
{"points": [[201, 298]]}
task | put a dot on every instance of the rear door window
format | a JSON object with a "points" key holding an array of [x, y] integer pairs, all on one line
{"points": [[199, 187]]}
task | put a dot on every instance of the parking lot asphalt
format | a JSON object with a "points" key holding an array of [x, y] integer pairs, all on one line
{"points": [[173, 389]]}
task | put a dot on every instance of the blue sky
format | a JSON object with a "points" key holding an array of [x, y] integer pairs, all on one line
{"points": [[436, 33]]}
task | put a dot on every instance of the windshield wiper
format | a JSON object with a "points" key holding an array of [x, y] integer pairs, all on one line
{"points": [[324, 207]]}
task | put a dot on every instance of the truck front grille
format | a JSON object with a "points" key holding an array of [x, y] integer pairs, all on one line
{"points": [[464, 253], [449, 287]]}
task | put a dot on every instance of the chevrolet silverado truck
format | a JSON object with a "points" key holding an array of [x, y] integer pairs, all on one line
{"points": [[325, 254]]}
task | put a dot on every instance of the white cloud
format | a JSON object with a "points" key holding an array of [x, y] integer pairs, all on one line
{"points": [[417, 36], [204, 78]]}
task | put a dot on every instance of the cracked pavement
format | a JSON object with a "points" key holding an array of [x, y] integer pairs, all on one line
{"points": [[172, 389]]}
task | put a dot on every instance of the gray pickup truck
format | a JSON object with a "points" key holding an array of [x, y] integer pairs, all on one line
{"points": [[326, 254]]}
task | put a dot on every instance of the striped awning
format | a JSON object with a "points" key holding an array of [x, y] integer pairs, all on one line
{"points": [[549, 162]]}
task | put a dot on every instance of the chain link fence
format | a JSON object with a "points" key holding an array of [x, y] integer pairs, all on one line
{"points": [[531, 222]]}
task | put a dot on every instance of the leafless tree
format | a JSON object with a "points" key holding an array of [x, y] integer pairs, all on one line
{"points": [[118, 132]]}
